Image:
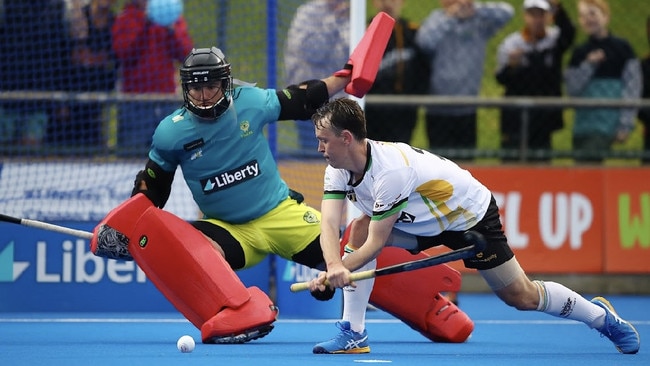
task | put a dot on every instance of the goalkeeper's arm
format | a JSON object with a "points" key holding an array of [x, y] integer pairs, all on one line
{"points": [[153, 182], [301, 101]]}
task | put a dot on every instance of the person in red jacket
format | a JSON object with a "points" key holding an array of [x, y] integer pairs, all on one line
{"points": [[147, 49]]}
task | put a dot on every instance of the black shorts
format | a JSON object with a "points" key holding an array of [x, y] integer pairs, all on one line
{"points": [[497, 250]]}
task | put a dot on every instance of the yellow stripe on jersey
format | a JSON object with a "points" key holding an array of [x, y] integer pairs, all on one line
{"points": [[434, 213], [406, 160], [438, 192]]}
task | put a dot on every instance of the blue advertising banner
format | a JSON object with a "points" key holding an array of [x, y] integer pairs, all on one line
{"points": [[42, 271], [302, 304]]}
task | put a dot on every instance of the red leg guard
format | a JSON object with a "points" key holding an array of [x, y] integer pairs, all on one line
{"points": [[182, 263], [250, 321], [189, 272], [427, 311]]}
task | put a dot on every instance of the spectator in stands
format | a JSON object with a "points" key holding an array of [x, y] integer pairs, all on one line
{"points": [[529, 63], [33, 45], [604, 66], [147, 52], [93, 69], [402, 71], [455, 38], [318, 43], [644, 113]]}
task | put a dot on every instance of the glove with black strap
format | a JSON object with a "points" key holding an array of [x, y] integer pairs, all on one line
{"points": [[326, 295]]}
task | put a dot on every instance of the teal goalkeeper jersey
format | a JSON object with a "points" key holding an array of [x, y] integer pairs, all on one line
{"points": [[226, 163]]}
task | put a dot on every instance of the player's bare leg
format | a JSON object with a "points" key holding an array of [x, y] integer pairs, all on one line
{"points": [[510, 284]]}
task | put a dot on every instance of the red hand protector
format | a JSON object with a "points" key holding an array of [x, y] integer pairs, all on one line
{"points": [[366, 57]]}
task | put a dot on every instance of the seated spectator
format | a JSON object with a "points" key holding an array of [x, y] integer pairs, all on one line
{"points": [[604, 66], [33, 46], [93, 69], [318, 44], [529, 63], [455, 39], [402, 71], [147, 52]]}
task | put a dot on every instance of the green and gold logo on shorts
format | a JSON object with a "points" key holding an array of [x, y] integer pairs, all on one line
{"points": [[310, 217]]}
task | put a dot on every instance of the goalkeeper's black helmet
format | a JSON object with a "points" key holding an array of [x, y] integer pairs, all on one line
{"points": [[205, 66]]}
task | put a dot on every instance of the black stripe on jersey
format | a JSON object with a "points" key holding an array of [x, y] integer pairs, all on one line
{"points": [[334, 195]]}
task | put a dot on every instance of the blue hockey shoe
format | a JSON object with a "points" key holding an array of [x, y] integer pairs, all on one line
{"points": [[348, 341], [620, 332]]}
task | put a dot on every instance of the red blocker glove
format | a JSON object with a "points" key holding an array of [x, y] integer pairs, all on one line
{"points": [[364, 61]]}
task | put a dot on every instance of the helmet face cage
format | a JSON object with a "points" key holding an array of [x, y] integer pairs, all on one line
{"points": [[206, 66]]}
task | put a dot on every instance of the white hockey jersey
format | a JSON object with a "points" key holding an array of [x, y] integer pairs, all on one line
{"points": [[430, 193]]}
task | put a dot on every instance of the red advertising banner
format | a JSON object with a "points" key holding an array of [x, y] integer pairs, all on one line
{"points": [[573, 220], [551, 216]]}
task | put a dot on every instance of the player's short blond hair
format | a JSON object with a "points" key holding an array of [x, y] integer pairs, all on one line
{"points": [[600, 4]]}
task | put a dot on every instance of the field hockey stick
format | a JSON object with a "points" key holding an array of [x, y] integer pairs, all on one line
{"points": [[477, 245], [45, 226]]}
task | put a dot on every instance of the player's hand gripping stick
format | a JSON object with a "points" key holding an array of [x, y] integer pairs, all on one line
{"points": [[475, 239]]}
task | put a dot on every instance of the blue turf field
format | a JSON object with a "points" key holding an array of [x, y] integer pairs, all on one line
{"points": [[502, 336]]}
